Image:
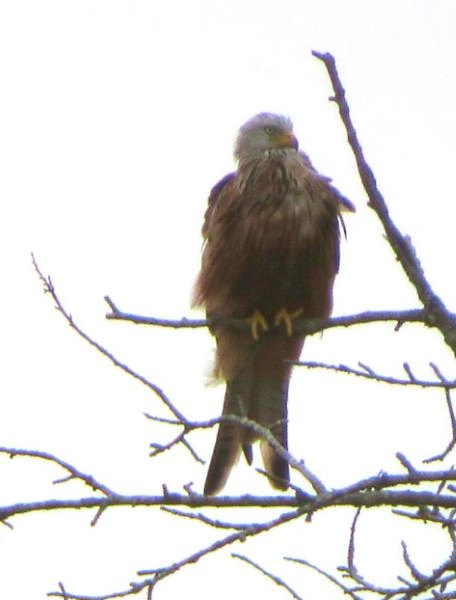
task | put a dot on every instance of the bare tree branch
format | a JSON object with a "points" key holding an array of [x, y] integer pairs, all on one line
{"points": [[331, 578], [369, 373], [373, 491], [436, 313], [74, 473], [216, 523], [49, 289], [300, 326], [269, 575], [452, 443]]}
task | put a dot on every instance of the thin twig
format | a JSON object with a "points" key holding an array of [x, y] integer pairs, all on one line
{"points": [[331, 578], [74, 472], [367, 372], [280, 582], [452, 442], [351, 545], [216, 523]]}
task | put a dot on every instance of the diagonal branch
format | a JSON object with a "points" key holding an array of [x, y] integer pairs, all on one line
{"points": [[280, 582], [331, 578], [436, 312], [49, 289], [158, 574]]}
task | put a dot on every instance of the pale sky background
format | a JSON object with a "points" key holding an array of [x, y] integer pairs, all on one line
{"points": [[116, 118]]}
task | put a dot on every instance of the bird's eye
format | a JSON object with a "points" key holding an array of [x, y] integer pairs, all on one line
{"points": [[269, 129]]}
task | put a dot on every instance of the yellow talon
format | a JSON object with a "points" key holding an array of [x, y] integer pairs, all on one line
{"points": [[258, 321], [287, 318]]}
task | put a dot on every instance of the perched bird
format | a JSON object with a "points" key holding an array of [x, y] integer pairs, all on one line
{"points": [[271, 254]]}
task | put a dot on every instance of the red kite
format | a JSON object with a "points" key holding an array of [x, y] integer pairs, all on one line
{"points": [[271, 254]]}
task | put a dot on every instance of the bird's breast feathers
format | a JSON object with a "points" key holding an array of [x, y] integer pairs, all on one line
{"points": [[281, 190], [272, 235]]}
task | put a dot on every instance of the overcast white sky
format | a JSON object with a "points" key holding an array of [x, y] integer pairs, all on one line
{"points": [[116, 118]]}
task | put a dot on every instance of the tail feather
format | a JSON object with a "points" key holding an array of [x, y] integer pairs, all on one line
{"points": [[248, 453], [270, 399], [259, 391], [229, 439]]}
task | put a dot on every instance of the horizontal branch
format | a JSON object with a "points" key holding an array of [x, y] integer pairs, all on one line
{"points": [[300, 326], [373, 491], [368, 498]]}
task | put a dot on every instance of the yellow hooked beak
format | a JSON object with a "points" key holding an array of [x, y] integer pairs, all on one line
{"points": [[286, 140]]}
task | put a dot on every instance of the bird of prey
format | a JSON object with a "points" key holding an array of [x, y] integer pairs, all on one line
{"points": [[271, 254]]}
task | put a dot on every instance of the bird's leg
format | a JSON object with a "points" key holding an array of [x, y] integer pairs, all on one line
{"points": [[287, 318], [257, 321]]}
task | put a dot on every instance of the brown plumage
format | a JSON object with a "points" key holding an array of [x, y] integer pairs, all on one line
{"points": [[272, 245]]}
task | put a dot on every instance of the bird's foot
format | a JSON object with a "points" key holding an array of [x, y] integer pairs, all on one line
{"points": [[287, 318], [258, 323]]}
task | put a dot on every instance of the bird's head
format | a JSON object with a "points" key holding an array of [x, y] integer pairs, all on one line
{"points": [[263, 133]]}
